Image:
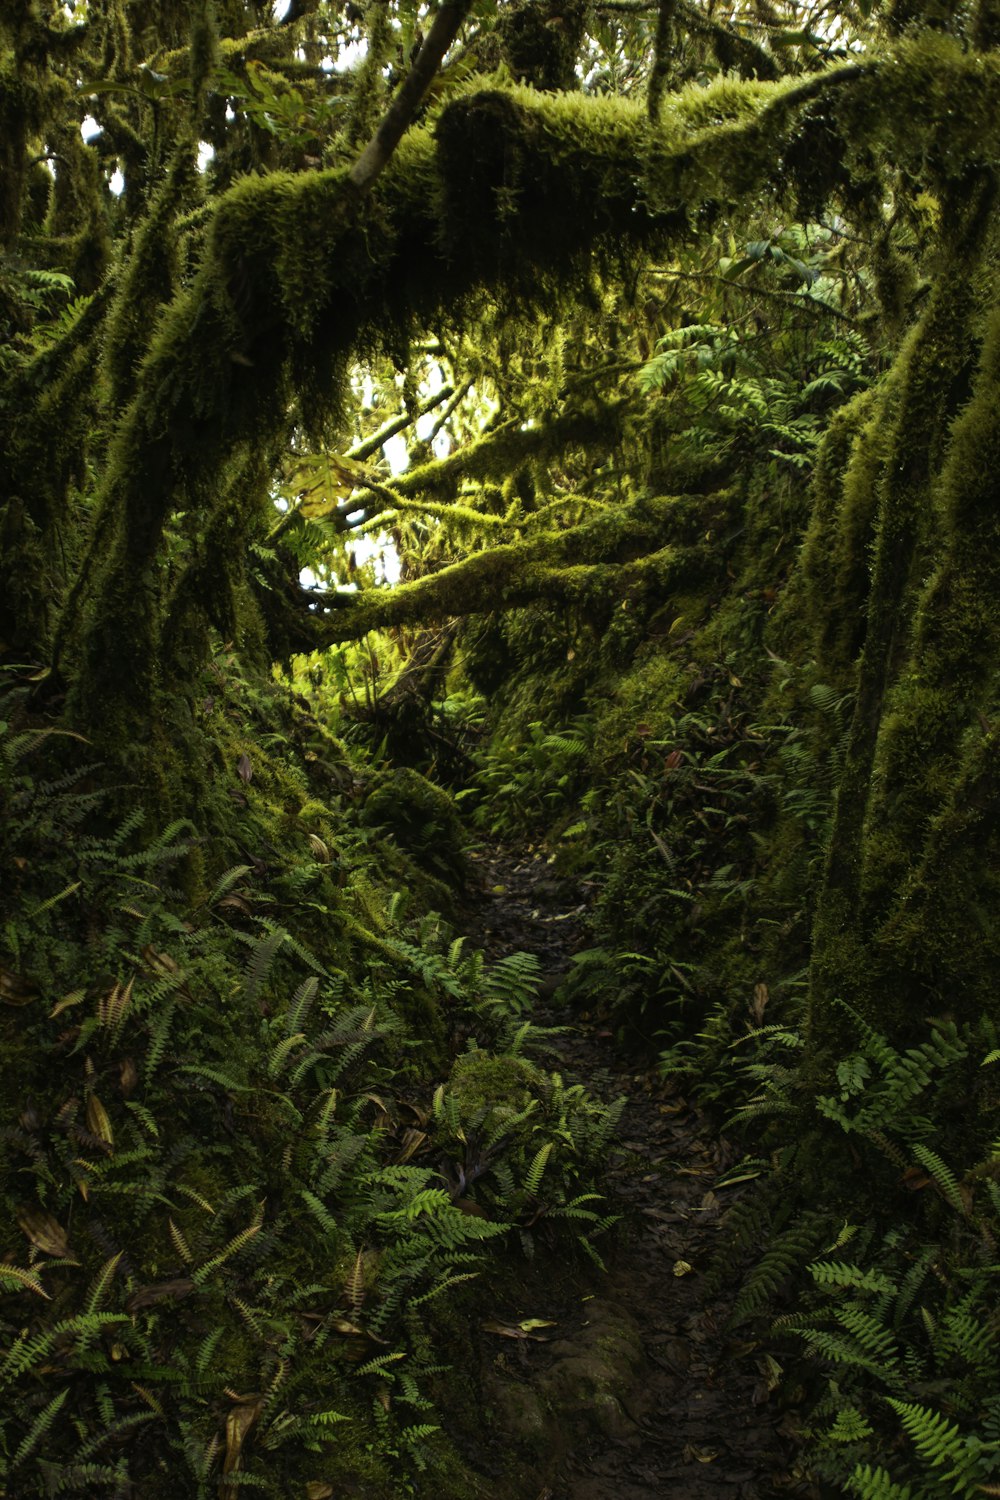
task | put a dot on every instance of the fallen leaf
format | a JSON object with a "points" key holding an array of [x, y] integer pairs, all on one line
{"points": [[244, 769], [162, 1291], [517, 1330], [45, 1232], [761, 996], [16, 989], [411, 1141], [128, 1076], [699, 1455], [318, 1489], [238, 1425], [474, 1210], [160, 963], [355, 1331], [98, 1122], [683, 1268], [236, 903]]}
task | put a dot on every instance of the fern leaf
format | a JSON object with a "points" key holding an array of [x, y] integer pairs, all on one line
{"points": [[261, 961], [944, 1178], [940, 1443], [533, 1180], [101, 1283], [39, 1427], [235, 1245], [227, 882], [26, 1279], [828, 1273], [875, 1484]]}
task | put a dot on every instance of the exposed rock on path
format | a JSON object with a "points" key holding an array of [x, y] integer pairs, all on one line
{"points": [[642, 1392]]}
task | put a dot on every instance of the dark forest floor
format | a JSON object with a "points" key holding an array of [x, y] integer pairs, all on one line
{"points": [[638, 1390]]}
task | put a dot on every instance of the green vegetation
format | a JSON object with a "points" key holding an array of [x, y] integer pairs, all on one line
{"points": [[659, 353]]}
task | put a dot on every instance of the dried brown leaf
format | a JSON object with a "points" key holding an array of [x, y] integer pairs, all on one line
{"points": [[16, 989], [45, 1232], [98, 1122], [411, 1141], [161, 1291], [238, 1425]]}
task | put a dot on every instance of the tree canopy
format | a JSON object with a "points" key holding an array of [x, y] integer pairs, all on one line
{"points": [[655, 344]]}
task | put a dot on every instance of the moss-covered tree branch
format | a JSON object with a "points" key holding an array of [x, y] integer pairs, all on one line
{"points": [[511, 192], [650, 545]]}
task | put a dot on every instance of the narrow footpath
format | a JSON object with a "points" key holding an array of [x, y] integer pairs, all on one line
{"points": [[640, 1391]]}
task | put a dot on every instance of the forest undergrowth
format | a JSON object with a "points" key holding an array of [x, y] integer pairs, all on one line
{"points": [[266, 1137]]}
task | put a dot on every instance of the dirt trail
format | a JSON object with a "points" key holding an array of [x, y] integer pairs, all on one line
{"points": [[643, 1393]]}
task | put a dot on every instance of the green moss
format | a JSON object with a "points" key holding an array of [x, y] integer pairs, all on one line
{"points": [[825, 604], [926, 744], [422, 817], [648, 695], [483, 1084], [925, 375]]}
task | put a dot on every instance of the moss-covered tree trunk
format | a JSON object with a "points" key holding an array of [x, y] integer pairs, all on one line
{"points": [[927, 658]]}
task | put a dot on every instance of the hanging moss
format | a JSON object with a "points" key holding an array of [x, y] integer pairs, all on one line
{"points": [[368, 96], [148, 280], [823, 609], [203, 55], [20, 112], [541, 40]]}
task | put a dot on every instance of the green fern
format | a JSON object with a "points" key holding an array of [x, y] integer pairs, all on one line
{"points": [[941, 1444], [876, 1484], [785, 1255], [943, 1176], [837, 1274], [39, 1428]]}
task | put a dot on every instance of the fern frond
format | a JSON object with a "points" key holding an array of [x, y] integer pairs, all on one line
{"points": [[101, 1283], [944, 1178], [26, 1279], [261, 960], [40, 1427], [876, 1484], [533, 1179], [829, 1273], [235, 1245], [941, 1444]]}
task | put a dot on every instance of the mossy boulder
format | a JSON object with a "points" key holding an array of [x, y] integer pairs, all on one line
{"points": [[485, 1087]]}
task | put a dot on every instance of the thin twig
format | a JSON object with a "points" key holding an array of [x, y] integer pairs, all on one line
{"points": [[406, 102]]}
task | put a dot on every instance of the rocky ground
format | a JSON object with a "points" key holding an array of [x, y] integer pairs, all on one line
{"points": [[637, 1390]]}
